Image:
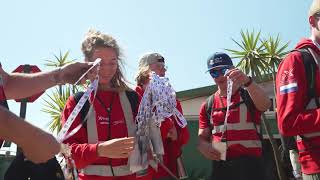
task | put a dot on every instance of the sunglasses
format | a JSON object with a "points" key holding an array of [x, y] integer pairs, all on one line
{"points": [[217, 72]]}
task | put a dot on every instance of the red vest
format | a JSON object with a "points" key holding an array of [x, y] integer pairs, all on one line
{"points": [[240, 131]]}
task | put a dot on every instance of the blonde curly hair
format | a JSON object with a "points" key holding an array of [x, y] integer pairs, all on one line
{"points": [[142, 76], [95, 39]]}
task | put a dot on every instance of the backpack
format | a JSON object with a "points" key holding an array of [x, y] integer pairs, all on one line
{"points": [[289, 142], [22, 169]]}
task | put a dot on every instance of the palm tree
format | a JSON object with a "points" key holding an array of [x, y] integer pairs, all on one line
{"points": [[252, 55], [259, 60], [275, 53], [59, 61], [55, 102]]}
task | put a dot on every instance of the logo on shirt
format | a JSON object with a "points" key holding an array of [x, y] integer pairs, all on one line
{"points": [[105, 121], [287, 76]]}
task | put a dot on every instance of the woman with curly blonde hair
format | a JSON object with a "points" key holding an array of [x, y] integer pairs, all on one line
{"points": [[101, 147]]}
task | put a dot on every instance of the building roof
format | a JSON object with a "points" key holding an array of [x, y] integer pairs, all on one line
{"points": [[208, 90], [197, 92]]}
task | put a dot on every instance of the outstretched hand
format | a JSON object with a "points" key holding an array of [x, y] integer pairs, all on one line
{"points": [[116, 148], [237, 76], [208, 151], [70, 73]]}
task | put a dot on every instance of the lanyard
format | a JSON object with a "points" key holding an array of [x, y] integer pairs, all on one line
{"points": [[159, 102], [226, 113], [229, 94], [62, 135], [108, 110]]}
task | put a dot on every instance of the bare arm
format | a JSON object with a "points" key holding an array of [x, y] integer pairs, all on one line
{"points": [[19, 85], [37, 145], [257, 94], [204, 145], [259, 97]]}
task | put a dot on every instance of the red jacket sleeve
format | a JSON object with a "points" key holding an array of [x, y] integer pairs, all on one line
{"points": [[203, 120], [83, 153], [291, 88], [183, 133]]}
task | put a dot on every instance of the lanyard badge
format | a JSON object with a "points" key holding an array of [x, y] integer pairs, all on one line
{"points": [[221, 146]]}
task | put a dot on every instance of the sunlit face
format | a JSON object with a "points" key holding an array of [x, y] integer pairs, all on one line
{"points": [[159, 68], [109, 63], [220, 80], [315, 25]]}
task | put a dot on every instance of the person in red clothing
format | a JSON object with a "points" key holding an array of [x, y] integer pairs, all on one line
{"points": [[173, 136], [236, 141], [297, 113], [101, 147]]}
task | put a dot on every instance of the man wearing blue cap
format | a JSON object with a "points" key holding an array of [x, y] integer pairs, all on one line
{"points": [[232, 142]]}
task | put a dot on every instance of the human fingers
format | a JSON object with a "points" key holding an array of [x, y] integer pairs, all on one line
{"points": [[128, 140], [123, 142], [230, 71], [214, 156], [87, 67], [127, 149], [211, 156], [237, 76]]}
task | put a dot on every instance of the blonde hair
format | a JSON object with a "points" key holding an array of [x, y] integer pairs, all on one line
{"points": [[95, 39], [142, 75]]}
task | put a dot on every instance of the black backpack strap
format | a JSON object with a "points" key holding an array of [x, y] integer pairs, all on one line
{"points": [[134, 100], [247, 100], [250, 105], [310, 70], [209, 103], [85, 108]]}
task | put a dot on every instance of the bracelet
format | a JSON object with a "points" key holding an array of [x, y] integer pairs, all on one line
{"points": [[56, 76], [249, 82]]}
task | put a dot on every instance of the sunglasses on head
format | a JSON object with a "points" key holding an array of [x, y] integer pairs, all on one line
{"points": [[217, 72]]}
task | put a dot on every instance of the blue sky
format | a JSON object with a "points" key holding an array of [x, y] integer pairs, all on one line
{"points": [[184, 32]]}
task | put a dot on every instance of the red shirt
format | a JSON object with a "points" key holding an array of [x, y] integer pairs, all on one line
{"points": [[293, 118], [85, 154], [172, 149], [218, 117]]}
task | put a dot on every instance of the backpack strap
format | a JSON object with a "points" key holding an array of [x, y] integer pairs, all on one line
{"points": [[250, 105], [310, 70], [84, 111], [208, 106], [134, 100]]}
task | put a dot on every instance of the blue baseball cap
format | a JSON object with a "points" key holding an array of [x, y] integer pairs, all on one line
{"points": [[219, 60]]}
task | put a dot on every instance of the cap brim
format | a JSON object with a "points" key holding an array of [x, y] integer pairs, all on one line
{"points": [[220, 66]]}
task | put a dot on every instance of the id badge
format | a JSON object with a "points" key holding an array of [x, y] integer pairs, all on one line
{"points": [[222, 148]]}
